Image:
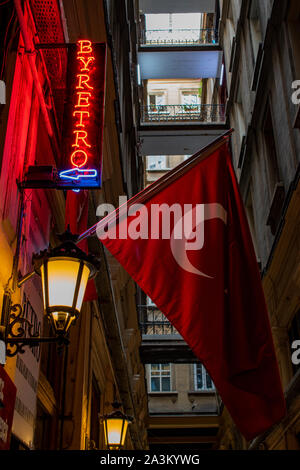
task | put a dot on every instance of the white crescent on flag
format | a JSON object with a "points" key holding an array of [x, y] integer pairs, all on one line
{"points": [[194, 219]]}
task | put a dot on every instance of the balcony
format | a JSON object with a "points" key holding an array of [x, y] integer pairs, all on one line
{"points": [[179, 37], [160, 340], [201, 113], [153, 322]]}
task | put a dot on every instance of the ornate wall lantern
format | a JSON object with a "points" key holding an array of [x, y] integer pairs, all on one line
{"points": [[115, 427], [65, 271]]}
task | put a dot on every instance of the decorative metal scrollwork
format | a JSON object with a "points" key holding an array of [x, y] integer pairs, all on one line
{"points": [[20, 332], [19, 327]]}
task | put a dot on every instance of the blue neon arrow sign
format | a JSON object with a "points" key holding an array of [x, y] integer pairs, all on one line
{"points": [[78, 173]]}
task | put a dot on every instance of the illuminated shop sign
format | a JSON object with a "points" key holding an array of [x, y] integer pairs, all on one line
{"points": [[7, 405], [81, 165]]}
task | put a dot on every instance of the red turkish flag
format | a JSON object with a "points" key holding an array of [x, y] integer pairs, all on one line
{"points": [[208, 287]]}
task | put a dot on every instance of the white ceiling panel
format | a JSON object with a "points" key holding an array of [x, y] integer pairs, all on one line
{"points": [[177, 6], [177, 64], [177, 142]]}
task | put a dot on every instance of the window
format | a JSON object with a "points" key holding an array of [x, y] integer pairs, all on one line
{"points": [[250, 216], [270, 151], [231, 35], [150, 302], [174, 21], [276, 186], [155, 100], [174, 28], [160, 377], [255, 30], [240, 116], [202, 379], [156, 162], [190, 100]]}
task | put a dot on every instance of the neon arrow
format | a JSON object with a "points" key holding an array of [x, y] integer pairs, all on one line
{"points": [[78, 173]]}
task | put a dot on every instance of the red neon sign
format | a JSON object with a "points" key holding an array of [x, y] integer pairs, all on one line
{"points": [[84, 116]]}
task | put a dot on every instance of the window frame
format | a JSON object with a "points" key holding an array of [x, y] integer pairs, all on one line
{"points": [[160, 376], [270, 149], [204, 374], [164, 163], [255, 29], [193, 92], [154, 107]]}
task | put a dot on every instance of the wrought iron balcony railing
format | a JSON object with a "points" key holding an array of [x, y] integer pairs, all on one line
{"points": [[153, 322], [206, 113], [179, 36]]}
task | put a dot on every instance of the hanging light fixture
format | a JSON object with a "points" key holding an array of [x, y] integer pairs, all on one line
{"points": [[65, 271], [115, 427]]}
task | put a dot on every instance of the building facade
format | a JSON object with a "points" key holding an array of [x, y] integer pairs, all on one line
{"points": [[260, 42], [60, 395]]}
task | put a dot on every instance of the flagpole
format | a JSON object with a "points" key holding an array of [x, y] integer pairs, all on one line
{"points": [[158, 185]]}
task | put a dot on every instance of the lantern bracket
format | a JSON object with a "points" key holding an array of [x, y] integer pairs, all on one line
{"points": [[19, 332]]}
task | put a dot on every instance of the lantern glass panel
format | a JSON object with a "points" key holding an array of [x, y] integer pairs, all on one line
{"points": [[83, 284], [124, 432], [114, 431], [62, 277]]}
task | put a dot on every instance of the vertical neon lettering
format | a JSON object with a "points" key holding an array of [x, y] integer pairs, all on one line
{"points": [[83, 92]]}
